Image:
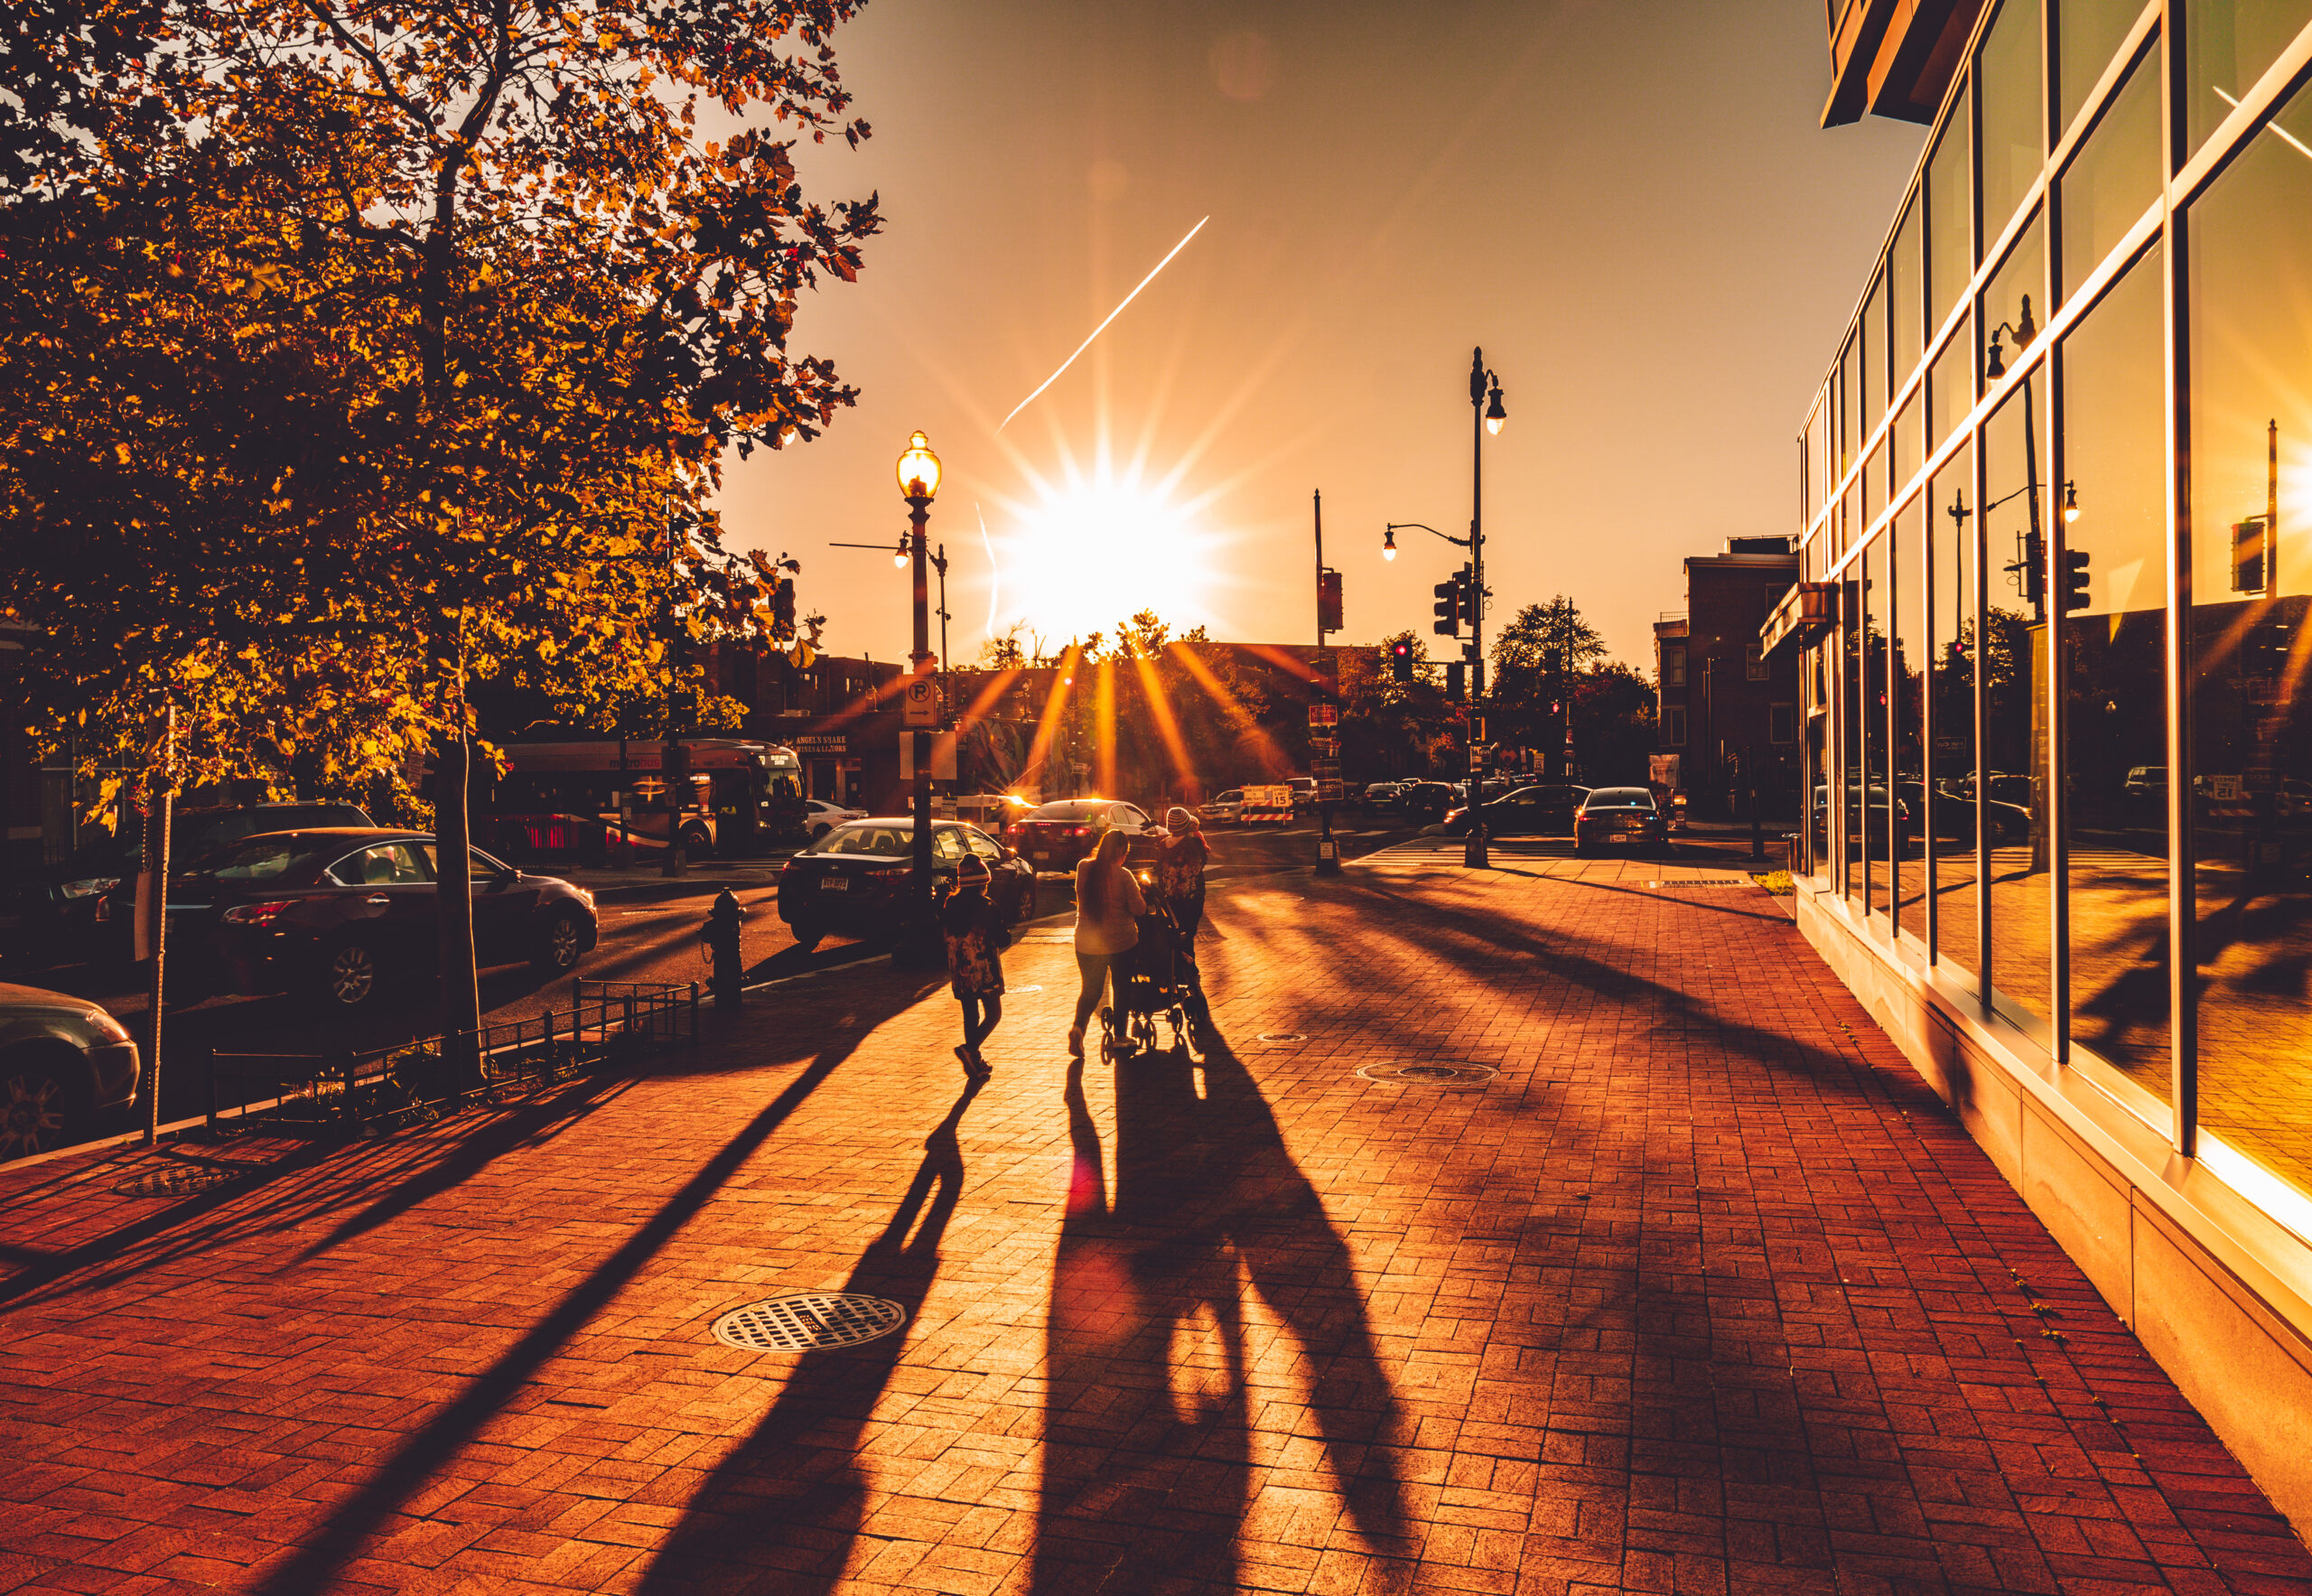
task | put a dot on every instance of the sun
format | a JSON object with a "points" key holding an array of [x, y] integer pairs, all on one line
{"points": [[1094, 550]]}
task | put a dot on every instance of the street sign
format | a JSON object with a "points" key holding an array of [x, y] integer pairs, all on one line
{"points": [[1324, 715], [1330, 792], [1324, 747], [922, 702]]}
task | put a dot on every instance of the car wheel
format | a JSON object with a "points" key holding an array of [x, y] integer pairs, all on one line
{"points": [[350, 976], [819, 831], [696, 843], [560, 948], [39, 1111], [807, 935]]}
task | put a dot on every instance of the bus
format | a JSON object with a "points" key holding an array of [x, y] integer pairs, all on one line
{"points": [[610, 802]]}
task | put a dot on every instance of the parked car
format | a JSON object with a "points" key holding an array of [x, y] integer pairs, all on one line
{"points": [[62, 1060], [1226, 809], [854, 878], [820, 817], [1622, 819], [1304, 792], [337, 914], [97, 916], [2147, 784], [1546, 809], [1057, 835]]}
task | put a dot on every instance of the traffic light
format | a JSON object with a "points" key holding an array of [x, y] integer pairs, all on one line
{"points": [[1455, 676], [1328, 600], [2031, 566], [2074, 579], [1401, 660], [1468, 584], [1447, 607]]}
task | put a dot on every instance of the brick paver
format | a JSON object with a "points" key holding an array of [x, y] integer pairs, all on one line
{"points": [[1701, 1292]]}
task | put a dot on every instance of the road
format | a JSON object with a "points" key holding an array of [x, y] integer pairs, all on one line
{"points": [[645, 936]]}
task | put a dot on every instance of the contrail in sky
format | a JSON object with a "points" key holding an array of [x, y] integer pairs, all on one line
{"points": [[995, 579], [1103, 327]]}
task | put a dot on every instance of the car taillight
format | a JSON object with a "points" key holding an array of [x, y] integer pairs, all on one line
{"points": [[1080, 831], [255, 914]]}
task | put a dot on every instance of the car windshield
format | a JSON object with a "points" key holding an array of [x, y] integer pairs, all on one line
{"points": [[256, 859], [880, 842], [1619, 798], [1072, 813]]}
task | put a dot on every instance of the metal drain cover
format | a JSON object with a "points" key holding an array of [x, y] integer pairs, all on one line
{"points": [[808, 1321], [177, 1183], [1431, 1074], [1279, 1036]]}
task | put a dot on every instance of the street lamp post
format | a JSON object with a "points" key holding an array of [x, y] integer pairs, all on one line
{"points": [[1484, 417], [918, 474]]}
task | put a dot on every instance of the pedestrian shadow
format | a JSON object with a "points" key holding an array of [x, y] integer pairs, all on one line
{"points": [[1150, 1452], [782, 1510]]}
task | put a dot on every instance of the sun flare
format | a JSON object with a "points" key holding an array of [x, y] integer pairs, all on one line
{"points": [[1092, 552]]}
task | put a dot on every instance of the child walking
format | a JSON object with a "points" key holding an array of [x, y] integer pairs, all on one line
{"points": [[974, 964]]}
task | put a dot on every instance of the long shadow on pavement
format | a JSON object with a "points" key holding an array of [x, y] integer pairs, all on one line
{"points": [[1149, 1452], [432, 1447], [782, 1510]]}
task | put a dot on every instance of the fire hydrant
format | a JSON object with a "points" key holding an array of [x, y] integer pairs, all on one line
{"points": [[721, 935]]}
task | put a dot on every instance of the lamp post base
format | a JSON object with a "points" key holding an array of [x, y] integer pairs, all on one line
{"points": [[1327, 850], [1473, 856]]}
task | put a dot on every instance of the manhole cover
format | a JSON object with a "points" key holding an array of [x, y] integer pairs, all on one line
{"points": [[1279, 1036], [179, 1182], [808, 1321], [1431, 1074]]}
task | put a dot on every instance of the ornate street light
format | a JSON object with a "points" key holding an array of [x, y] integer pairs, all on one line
{"points": [[918, 477]]}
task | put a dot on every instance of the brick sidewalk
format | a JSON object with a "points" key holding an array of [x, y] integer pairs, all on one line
{"points": [[1701, 1292]]}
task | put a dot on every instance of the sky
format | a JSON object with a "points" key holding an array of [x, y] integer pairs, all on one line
{"points": [[1628, 203]]}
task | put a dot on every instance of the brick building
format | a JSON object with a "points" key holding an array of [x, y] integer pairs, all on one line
{"points": [[1723, 700]]}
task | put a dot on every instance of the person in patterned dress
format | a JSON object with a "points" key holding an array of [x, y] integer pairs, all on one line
{"points": [[1179, 888], [968, 925]]}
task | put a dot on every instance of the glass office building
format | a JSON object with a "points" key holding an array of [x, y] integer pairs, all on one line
{"points": [[2058, 488]]}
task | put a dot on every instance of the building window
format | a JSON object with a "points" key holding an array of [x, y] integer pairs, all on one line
{"points": [[1754, 663], [1674, 726], [1673, 668], [1782, 724]]}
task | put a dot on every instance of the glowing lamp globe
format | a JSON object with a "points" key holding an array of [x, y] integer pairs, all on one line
{"points": [[919, 468]]}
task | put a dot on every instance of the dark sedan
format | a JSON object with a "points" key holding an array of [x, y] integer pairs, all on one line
{"points": [[62, 1060], [1624, 819], [1544, 810], [337, 914], [1424, 802], [1057, 836], [854, 879]]}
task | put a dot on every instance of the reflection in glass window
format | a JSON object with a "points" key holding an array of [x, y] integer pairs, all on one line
{"points": [[1950, 238], [1874, 356], [2090, 31], [1953, 556], [1819, 674], [2250, 648], [1907, 298], [1815, 464], [2008, 81], [1869, 803], [1851, 405], [2115, 176], [1851, 723], [1907, 665], [2015, 697], [1874, 485], [2015, 302], [2115, 680], [2227, 46], [1951, 385], [1904, 456]]}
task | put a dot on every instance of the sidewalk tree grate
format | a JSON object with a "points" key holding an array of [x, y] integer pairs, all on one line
{"points": [[1279, 1036], [176, 1182], [1708, 881], [808, 1321], [1428, 1074]]}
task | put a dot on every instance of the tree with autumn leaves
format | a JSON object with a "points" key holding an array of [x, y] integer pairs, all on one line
{"points": [[357, 354]]}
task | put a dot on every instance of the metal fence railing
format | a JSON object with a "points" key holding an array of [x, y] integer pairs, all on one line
{"points": [[610, 1025]]}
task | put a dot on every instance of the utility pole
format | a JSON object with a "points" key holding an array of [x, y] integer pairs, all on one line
{"points": [[1327, 851]]}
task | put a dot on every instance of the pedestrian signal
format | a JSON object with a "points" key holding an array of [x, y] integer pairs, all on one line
{"points": [[1447, 607], [1328, 600]]}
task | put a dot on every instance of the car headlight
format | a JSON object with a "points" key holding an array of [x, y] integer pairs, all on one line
{"points": [[105, 1025], [94, 885]]}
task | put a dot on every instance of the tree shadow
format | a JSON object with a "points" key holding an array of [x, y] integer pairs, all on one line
{"points": [[783, 1509], [1150, 1450]]}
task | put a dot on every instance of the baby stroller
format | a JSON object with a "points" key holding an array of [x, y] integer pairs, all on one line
{"points": [[1148, 987]]}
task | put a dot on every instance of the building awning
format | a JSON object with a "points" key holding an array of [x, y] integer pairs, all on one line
{"points": [[1807, 612]]}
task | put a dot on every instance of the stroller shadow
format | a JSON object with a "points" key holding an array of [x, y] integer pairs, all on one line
{"points": [[1149, 1449]]}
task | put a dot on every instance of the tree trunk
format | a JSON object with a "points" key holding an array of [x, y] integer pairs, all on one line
{"points": [[453, 905]]}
